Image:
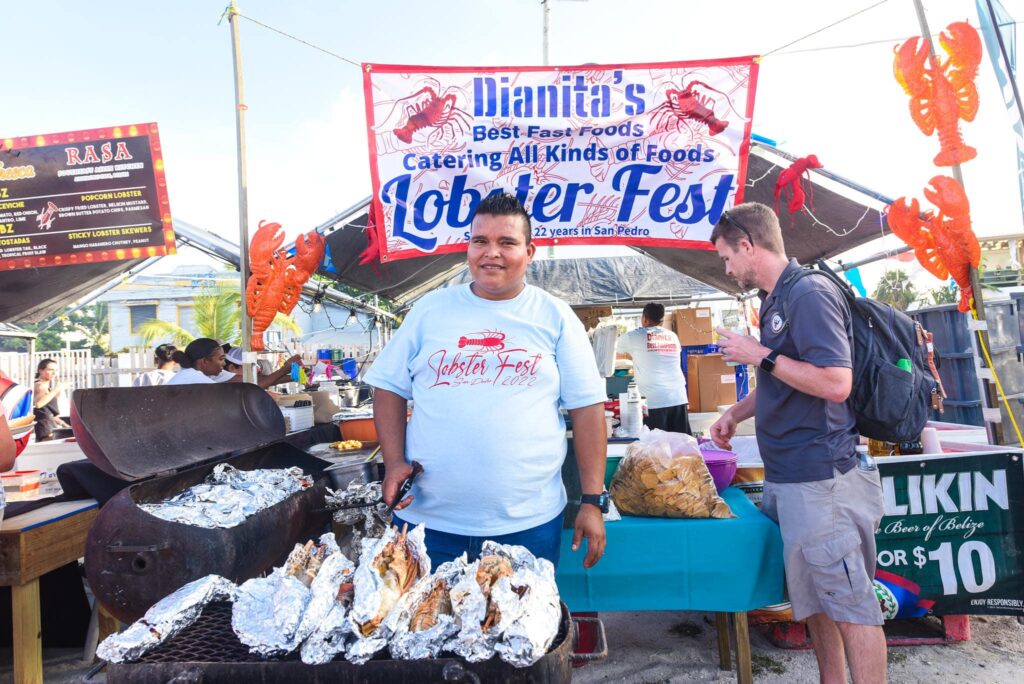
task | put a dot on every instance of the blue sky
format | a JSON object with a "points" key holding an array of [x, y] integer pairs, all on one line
{"points": [[73, 65]]}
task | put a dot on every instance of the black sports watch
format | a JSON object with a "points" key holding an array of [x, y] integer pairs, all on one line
{"points": [[600, 500], [768, 362]]}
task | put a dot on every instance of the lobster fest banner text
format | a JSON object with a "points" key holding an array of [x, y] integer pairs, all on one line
{"points": [[640, 154], [83, 197]]}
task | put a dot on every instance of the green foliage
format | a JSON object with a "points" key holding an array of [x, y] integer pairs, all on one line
{"points": [[940, 296], [895, 289], [90, 325], [217, 314]]}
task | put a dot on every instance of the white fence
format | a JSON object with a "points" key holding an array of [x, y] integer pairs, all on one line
{"points": [[79, 371]]}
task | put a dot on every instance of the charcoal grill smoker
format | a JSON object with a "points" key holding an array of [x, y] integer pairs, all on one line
{"points": [[163, 440], [209, 652]]}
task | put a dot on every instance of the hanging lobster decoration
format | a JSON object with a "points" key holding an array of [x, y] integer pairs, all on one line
{"points": [[277, 278], [942, 92], [791, 179], [944, 243]]}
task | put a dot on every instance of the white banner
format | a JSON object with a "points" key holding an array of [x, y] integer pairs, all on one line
{"points": [[643, 154]]}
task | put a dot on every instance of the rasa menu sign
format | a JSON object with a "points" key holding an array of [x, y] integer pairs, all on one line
{"points": [[83, 197], [641, 154], [952, 538]]}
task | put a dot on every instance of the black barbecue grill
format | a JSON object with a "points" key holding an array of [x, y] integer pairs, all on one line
{"points": [[165, 439]]}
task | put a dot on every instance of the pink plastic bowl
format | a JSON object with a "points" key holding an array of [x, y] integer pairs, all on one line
{"points": [[722, 466]]}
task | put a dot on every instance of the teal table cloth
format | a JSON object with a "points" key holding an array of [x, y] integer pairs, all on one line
{"points": [[732, 565]]}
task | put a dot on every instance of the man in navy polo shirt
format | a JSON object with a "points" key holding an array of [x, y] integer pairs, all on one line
{"points": [[827, 507]]}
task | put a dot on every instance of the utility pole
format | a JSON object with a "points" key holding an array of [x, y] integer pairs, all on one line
{"points": [[546, 4], [243, 191], [989, 399]]}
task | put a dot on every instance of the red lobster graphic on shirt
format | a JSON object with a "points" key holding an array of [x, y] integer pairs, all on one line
{"points": [[486, 341]]}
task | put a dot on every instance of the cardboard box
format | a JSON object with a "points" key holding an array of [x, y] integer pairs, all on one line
{"points": [[693, 326], [590, 315], [710, 383]]}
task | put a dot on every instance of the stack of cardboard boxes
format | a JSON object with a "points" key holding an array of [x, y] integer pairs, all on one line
{"points": [[710, 382]]}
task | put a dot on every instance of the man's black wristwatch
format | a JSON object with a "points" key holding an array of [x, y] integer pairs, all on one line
{"points": [[600, 500], [768, 362]]}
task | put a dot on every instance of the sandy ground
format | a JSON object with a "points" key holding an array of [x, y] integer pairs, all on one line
{"points": [[670, 647]]}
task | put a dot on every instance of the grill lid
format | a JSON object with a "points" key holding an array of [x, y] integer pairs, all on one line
{"points": [[136, 432]]}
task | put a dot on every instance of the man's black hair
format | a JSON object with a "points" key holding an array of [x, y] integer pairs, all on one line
{"points": [[503, 204], [655, 312]]}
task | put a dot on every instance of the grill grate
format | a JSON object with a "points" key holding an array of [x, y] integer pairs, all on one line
{"points": [[209, 639]]}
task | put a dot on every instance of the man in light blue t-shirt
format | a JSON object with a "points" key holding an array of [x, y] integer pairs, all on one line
{"points": [[488, 365]]}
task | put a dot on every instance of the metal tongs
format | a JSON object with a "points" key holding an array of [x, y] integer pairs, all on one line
{"points": [[402, 491]]}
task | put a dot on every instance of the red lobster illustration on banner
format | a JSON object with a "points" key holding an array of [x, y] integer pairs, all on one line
{"points": [[689, 103], [792, 179], [277, 278], [426, 109], [942, 93], [945, 243]]}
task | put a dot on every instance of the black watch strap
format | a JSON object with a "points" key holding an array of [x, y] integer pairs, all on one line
{"points": [[768, 362], [599, 500]]}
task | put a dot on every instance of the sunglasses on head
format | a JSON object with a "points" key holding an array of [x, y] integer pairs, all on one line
{"points": [[736, 224]]}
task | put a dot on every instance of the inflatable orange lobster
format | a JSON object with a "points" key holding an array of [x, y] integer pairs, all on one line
{"points": [[791, 179], [943, 243], [277, 278], [942, 93]]}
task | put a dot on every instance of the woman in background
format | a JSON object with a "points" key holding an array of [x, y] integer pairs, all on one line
{"points": [[163, 357], [46, 390]]}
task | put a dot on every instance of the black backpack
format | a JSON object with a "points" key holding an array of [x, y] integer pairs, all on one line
{"points": [[888, 403]]}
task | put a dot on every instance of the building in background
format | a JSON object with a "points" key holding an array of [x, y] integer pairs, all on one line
{"points": [[171, 297]]}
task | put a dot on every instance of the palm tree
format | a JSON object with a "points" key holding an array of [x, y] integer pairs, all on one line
{"points": [[895, 289], [217, 314]]}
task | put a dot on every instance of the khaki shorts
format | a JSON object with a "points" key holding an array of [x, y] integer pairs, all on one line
{"points": [[828, 535]]}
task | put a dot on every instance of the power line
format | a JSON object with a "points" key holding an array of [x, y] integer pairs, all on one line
{"points": [[299, 40], [825, 28]]}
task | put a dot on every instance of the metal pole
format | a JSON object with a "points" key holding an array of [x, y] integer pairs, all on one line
{"points": [[243, 189], [987, 387], [547, 24]]}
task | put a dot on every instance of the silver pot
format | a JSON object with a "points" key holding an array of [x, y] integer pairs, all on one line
{"points": [[346, 472], [349, 396]]}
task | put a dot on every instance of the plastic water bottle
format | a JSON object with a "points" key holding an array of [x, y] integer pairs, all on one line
{"points": [[631, 414], [864, 460]]}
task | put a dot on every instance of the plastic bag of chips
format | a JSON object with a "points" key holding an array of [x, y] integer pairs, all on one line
{"points": [[663, 475]]}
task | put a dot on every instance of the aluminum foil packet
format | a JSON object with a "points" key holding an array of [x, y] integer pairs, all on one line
{"points": [[530, 607], [520, 617], [321, 645], [424, 622], [166, 618], [377, 593], [363, 520], [228, 496], [269, 612]]}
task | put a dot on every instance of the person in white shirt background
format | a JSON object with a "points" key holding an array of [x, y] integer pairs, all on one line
{"points": [[656, 367], [202, 362], [163, 357]]}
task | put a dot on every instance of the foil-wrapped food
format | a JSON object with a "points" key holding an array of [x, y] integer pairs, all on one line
{"points": [[360, 507], [273, 615], [388, 568], [166, 618], [507, 604], [424, 621], [228, 496]]}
